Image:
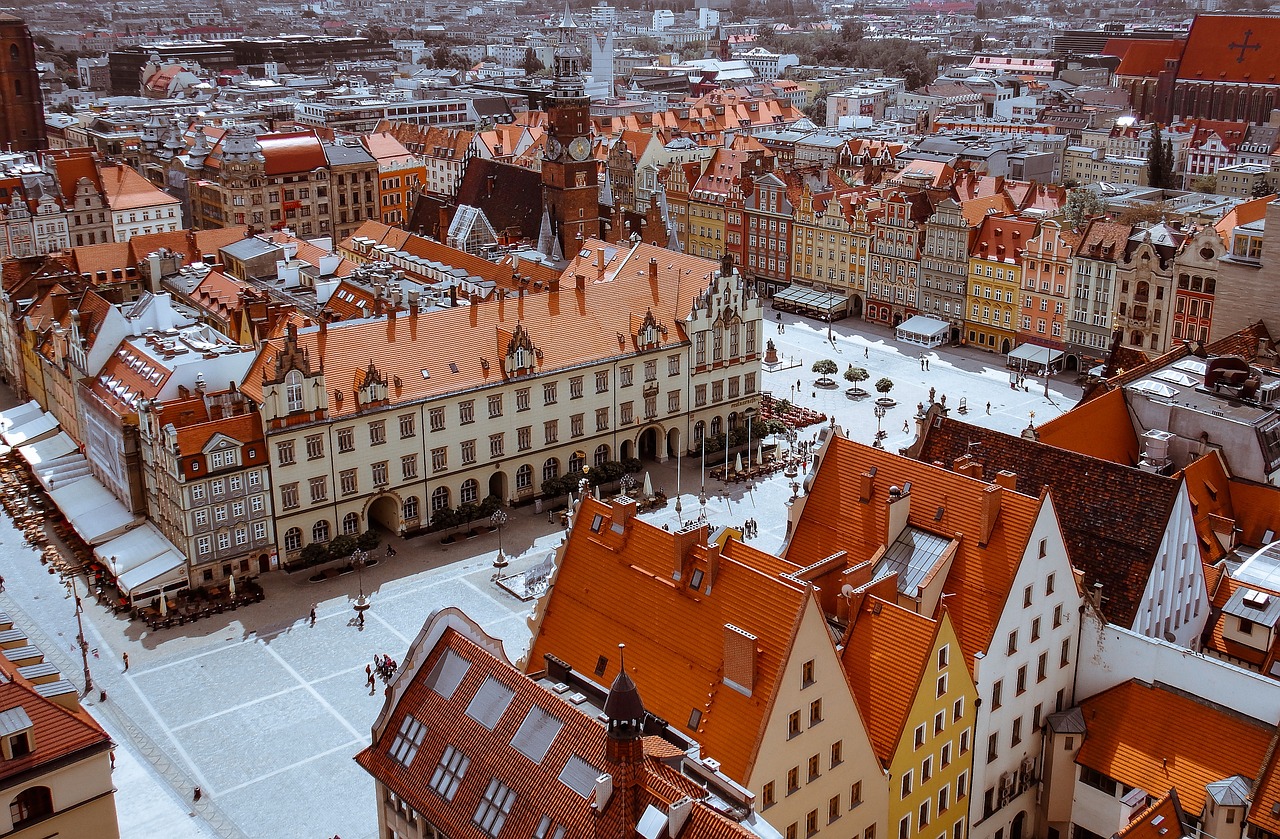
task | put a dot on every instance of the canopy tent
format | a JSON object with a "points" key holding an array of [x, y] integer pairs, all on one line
{"points": [[19, 414], [144, 562], [60, 472], [164, 573], [799, 298], [48, 449], [93, 511], [923, 330], [34, 430], [1033, 355]]}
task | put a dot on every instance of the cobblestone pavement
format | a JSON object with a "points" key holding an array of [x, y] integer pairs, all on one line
{"points": [[264, 712]]}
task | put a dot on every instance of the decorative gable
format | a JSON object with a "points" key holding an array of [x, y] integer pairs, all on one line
{"points": [[521, 357], [371, 386]]}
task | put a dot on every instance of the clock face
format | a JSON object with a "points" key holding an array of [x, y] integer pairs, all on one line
{"points": [[580, 148], [554, 148]]}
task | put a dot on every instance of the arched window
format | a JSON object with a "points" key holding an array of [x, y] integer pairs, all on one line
{"points": [[320, 531], [551, 469], [602, 454], [1143, 292], [1135, 338], [699, 431], [13, 52], [409, 510], [469, 492], [293, 390], [440, 499], [351, 523], [30, 804], [292, 539], [715, 426], [576, 461], [524, 477]]}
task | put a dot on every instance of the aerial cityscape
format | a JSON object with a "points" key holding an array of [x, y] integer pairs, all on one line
{"points": [[897, 420]]}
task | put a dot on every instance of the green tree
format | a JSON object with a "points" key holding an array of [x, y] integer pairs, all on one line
{"points": [[531, 63], [1204, 183], [1159, 160], [1082, 205], [342, 546], [857, 375], [825, 367], [883, 386], [817, 110]]}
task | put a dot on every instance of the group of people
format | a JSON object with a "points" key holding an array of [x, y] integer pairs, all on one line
{"points": [[750, 529]]}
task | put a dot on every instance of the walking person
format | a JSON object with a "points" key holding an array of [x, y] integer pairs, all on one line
{"points": [[866, 352], [313, 614], [126, 662], [988, 407], [906, 426]]}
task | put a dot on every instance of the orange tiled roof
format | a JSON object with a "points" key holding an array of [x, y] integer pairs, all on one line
{"points": [[57, 732], [1244, 213], [1153, 738], [70, 168], [1156, 822], [977, 209], [1264, 808], [1144, 57], [884, 659], [245, 428], [1002, 239], [833, 520], [1212, 53], [613, 589], [568, 327], [125, 189], [1100, 428], [218, 294]]}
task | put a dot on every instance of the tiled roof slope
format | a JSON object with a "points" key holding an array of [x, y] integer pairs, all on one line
{"points": [[1213, 52], [1113, 517], [613, 589], [1100, 428], [568, 326], [1156, 822], [1264, 806], [1145, 57], [833, 519], [1149, 736], [57, 732], [537, 786], [884, 659]]}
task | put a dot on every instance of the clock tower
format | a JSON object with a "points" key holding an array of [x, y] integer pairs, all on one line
{"points": [[570, 174]]}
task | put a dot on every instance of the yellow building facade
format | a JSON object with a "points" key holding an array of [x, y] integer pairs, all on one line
{"points": [[995, 277]]}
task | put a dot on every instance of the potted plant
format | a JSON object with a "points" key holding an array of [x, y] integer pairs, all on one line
{"points": [[825, 368], [856, 375]]}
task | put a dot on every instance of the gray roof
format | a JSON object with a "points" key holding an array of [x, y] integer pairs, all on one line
{"points": [[1253, 605], [1230, 792], [912, 556], [13, 720], [250, 247], [339, 155]]}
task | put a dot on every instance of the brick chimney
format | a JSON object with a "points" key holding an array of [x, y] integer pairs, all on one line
{"points": [[1007, 479], [990, 511]]}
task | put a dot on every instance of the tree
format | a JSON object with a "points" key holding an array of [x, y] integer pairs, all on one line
{"points": [[1204, 183], [884, 386], [1082, 205], [343, 546], [531, 64], [1159, 160], [978, 40], [825, 367], [856, 375], [1151, 213], [817, 110]]}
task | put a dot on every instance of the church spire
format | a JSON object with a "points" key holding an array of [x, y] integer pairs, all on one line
{"points": [[623, 709]]}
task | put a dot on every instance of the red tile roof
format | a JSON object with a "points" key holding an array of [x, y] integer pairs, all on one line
{"points": [[537, 786], [1157, 821], [618, 588], [834, 519], [125, 189], [287, 153], [1100, 428], [57, 732], [1002, 239], [1220, 49], [1142, 57], [1151, 737]]}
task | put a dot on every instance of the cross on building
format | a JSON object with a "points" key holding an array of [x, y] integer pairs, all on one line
{"points": [[1248, 33]]}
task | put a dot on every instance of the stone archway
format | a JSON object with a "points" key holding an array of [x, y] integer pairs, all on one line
{"points": [[627, 450], [673, 442], [647, 443], [385, 510], [498, 486], [1004, 346]]}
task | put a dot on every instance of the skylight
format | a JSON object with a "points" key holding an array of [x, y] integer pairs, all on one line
{"points": [[536, 734], [450, 772], [448, 673], [579, 776], [489, 703], [494, 807], [408, 739]]}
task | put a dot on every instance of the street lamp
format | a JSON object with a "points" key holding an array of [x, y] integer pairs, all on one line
{"points": [[80, 639], [880, 411], [358, 559], [498, 519]]}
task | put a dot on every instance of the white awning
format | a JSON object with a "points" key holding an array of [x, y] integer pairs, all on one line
{"points": [[93, 511], [132, 550], [1035, 354], [811, 300], [51, 448], [923, 325], [19, 414], [64, 470], [160, 572], [38, 428]]}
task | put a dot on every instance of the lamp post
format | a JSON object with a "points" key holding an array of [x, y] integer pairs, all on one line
{"points": [[358, 559], [80, 639], [880, 411], [498, 519]]}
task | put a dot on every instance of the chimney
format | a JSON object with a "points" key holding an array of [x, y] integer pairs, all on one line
{"points": [[866, 485], [1007, 479], [623, 511], [580, 282], [990, 511], [604, 791], [678, 815], [599, 259], [653, 269], [897, 509]]}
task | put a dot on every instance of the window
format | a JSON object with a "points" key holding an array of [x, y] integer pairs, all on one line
{"points": [[492, 812], [919, 736], [942, 685], [906, 784], [673, 401], [793, 724], [793, 779], [996, 695], [409, 466], [550, 469], [944, 656], [29, 805], [495, 445], [602, 419], [439, 459], [602, 382], [284, 452], [495, 406], [1016, 736], [944, 796], [946, 755], [815, 712], [815, 767], [926, 770], [576, 426], [1035, 630], [319, 489], [964, 741], [351, 524], [320, 531], [1042, 667], [993, 747], [380, 474], [347, 482], [549, 393], [551, 431], [939, 722], [524, 477], [767, 795], [811, 823], [1022, 680], [467, 411], [673, 365], [451, 770], [293, 391], [1012, 647], [833, 809], [408, 426], [855, 794], [1064, 657], [1048, 585], [837, 753], [806, 674], [924, 814], [1057, 616], [469, 492], [904, 827], [468, 451], [436, 417], [625, 375], [292, 539], [1026, 597], [440, 499], [522, 399], [575, 387], [377, 432]]}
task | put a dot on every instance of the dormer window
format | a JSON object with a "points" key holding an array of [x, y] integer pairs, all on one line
{"points": [[16, 735], [293, 391]]}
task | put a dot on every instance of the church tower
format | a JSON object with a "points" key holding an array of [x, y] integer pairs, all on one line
{"points": [[570, 175], [618, 806], [21, 108]]}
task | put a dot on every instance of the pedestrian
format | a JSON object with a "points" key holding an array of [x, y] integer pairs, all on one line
{"points": [[1, 583], [126, 662], [313, 614], [926, 363], [866, 352], [906, 426], [988, 407], [797, 384], [197, 794]]}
